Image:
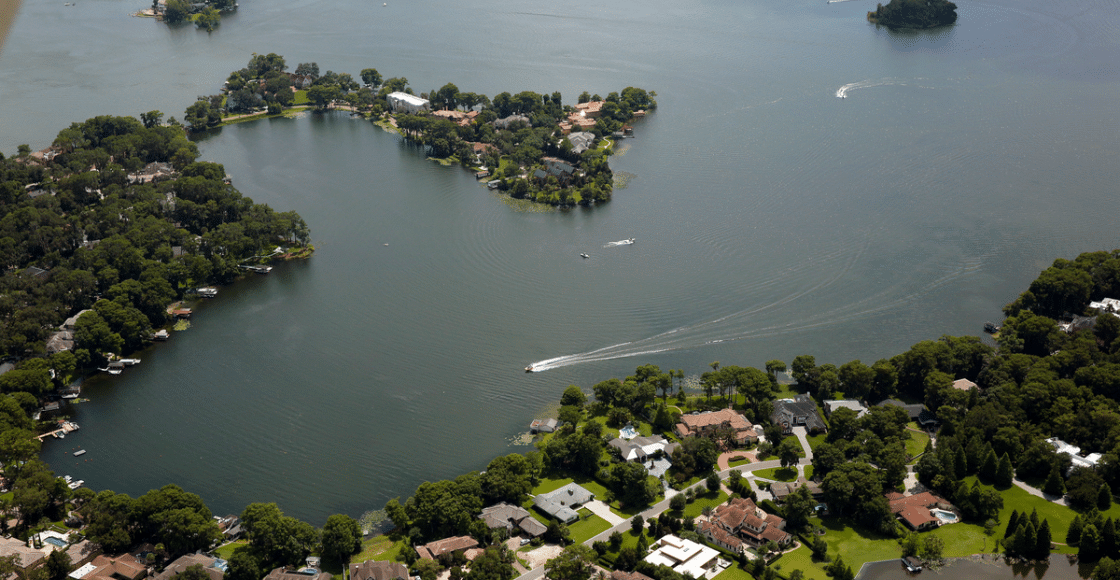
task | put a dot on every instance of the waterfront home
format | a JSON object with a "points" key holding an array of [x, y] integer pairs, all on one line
{"points": [[374, 570], [708, 424], [581, 141], [405, 103], [799, 411], [514, 518], [1107, 305], [683, 556], [917, 511], [181, 313], [916, 411], [433, 550], [27, 558], [161, 334], [543, 425], [211, 566], [229, 526], [643, 448], [506, 122], [563, 503], [123, 567], [592, 109]]}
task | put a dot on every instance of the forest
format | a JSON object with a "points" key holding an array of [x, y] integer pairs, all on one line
{"points": [[914, 13], [119, 218]]}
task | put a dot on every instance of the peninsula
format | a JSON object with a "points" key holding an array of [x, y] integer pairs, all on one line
{"points": [[528, 145], [914, 14]]}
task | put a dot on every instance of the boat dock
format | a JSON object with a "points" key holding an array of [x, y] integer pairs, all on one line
{"points": [[60, 433]]}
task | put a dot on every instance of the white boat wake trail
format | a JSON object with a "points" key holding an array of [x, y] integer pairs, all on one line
{"points": [[618, 243], [842, 92], [750, 323]]}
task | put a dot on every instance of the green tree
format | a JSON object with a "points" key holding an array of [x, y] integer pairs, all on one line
{"points": [[1089, 545], [1004, 474], [798, 508], [1042, 542], [1073, 536], [341, 538], [573, 396], [177, 11], [151, 119], [1104, 498], [789, 452], [932, 547], [58, 565], [1054, 485], [712, 482], [208, 18], [574, 563]]}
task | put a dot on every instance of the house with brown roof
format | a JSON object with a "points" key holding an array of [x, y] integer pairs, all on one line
{"points": [[592, 109], [708, 424], [28, 558], [624, 575], [742, 519], [374, 570], [781, 489], [183, 562], [963, 384], [516, 519], [916, 511], [123, 567], [433, 550], [301, 574]]}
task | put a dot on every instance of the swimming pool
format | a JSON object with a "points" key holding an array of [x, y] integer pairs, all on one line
{"points": [[56, 541], [946, 517]]}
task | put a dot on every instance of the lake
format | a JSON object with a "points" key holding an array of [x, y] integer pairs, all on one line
{"points": [[980, 568], [772, 218]]}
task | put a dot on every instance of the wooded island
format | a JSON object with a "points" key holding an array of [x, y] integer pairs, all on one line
{"points": [[914, 13]]}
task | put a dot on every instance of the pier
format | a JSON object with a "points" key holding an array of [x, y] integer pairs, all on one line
{"points": [[66, 427]]}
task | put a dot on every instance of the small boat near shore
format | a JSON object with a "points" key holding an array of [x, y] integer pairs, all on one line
{"points": [[130, 361], [79, 452]]}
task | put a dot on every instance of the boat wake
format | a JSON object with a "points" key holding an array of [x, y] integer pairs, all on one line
{"points": [[771, 319], [619, 243], [842, 92]]}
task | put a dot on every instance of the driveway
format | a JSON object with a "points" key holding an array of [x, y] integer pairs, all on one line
{"points": [[600, 509]]}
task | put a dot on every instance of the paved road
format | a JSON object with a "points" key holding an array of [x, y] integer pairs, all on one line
{"points": [[663, 505]]}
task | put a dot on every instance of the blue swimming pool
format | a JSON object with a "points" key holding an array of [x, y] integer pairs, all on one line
{"points": [[56, 541]]}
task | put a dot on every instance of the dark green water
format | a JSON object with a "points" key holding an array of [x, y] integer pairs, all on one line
{"points": [[976, 568], [773, 218]]}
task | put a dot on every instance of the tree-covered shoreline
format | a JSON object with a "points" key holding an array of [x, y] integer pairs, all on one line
{"points": [[528, 145], [914, 14]]}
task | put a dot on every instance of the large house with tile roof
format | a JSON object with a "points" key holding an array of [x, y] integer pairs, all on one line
{"points": [[741, 522], [916, 510], [707, 424]]}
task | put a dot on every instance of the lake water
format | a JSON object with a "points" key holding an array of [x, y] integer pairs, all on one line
{"points": [[772, 218], [978, 568]]}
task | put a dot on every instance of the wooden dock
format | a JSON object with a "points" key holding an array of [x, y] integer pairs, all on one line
{"points": [[67, 427]]}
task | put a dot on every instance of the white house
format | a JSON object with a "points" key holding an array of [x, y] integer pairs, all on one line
{"points": [[407, 103], [1074, 453], [683, 556]]}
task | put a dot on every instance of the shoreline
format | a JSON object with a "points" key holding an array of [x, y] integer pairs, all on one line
{"points": [[980, 567]]}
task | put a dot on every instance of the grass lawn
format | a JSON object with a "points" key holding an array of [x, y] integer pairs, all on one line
{"points": [[226, 552], [628, 539], [587, 528], [917, 443], [300, 98], [815, 440], [379, 548], [808, 472], [778, 473], [734, 573], [738, 462], [706, 499], [799, 559]]}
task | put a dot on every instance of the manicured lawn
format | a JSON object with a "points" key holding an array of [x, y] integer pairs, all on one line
{"points": [[799, 559], [226, 552], [917, 443], [815, 440], [734, 573], [628, 539], [587, 528], [300, 98], [858, 547], [707, 499], [778, 473], [808, 472], [737, 463]]}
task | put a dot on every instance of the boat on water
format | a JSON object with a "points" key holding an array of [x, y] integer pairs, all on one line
{"points": [[79, 452], [76, 484], [529, 369], [130, 361], [583, 255], [991, 327]]}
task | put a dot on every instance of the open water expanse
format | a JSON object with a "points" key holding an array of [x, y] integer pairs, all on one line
{"points": [[772, 218]]}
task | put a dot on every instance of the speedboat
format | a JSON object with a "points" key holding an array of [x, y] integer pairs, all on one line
{"points": [[631, 240], [583, 255], [130, 361], [529, 369]]}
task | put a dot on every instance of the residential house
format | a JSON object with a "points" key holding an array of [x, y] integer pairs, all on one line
{"points": [[543, 425], [859, 408], [28, 558], [708, 424], [1077, 460], [642, 448], [563, 503], [581, 141], [916, 511], [781, 489], [581, 122], [916, 411], [404, 102], [374, 570], [1109, 305], [800, 411], [624, 575], [151, 172], [230, 526], [1077, 324], [592, 109], [433, 550], [505, 122], [516, 519], [683, 556], [301, 574], [123, 567], [743, 519], [60, 341], [963, 384], [209, 565]]}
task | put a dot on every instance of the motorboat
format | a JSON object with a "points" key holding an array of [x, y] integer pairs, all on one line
{"points": [[130, 361], [79, 452], [529, 369], [583, 255]]}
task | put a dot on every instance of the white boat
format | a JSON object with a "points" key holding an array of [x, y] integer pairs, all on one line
{"points": [[67, 478], [582, 255], [76, 484], [115, 371], [529, 369], [78, 453], [130, 361]]}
